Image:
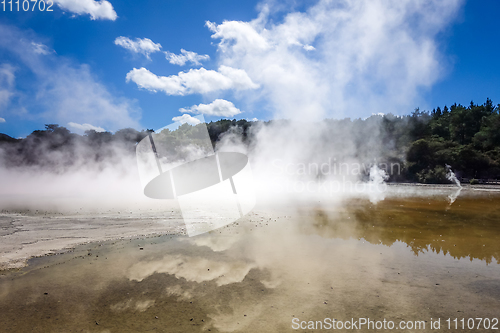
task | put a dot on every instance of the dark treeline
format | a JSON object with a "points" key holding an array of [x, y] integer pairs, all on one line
{"points": [[466, 138], [55, 148]]}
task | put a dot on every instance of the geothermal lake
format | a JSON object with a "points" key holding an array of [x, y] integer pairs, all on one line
{"points": [[411, 257]]}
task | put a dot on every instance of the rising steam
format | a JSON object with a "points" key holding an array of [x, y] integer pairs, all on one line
{"points": [[450, 175]]}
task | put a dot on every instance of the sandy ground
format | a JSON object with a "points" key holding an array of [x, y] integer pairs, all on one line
{"points": [[25, 235]]}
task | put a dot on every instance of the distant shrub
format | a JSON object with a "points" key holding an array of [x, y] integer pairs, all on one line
{"points": [[436, 175]]}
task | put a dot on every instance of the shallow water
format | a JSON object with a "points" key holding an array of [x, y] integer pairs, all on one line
{"points": [[411, 258]]}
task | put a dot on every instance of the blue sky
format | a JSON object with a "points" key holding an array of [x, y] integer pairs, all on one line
{"points": [[109, 65]]}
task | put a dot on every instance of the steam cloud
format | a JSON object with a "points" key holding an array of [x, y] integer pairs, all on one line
{"points": [[327, 61], [336, 58]]}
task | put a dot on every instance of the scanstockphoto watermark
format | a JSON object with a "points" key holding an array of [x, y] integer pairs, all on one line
{"points": [[362, 323], [452, 324], [332, 167]]}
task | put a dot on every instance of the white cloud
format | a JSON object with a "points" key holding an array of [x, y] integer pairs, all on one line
{"points": [[195, 81], [193, 269], [243, 33], [374, 55], [96, 9], [40, 48], [184, 57], [2, 120], [73, 94], [81, 128], [143, 46], [185, 118], [60, 90], [7, 79], [219, 107]]}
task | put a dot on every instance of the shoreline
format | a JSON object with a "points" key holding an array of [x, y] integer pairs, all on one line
{"points": [[26, 234], [464, 185], [24, 237]]}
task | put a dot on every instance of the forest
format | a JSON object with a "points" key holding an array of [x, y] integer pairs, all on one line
{"points": [[423, 142]]}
